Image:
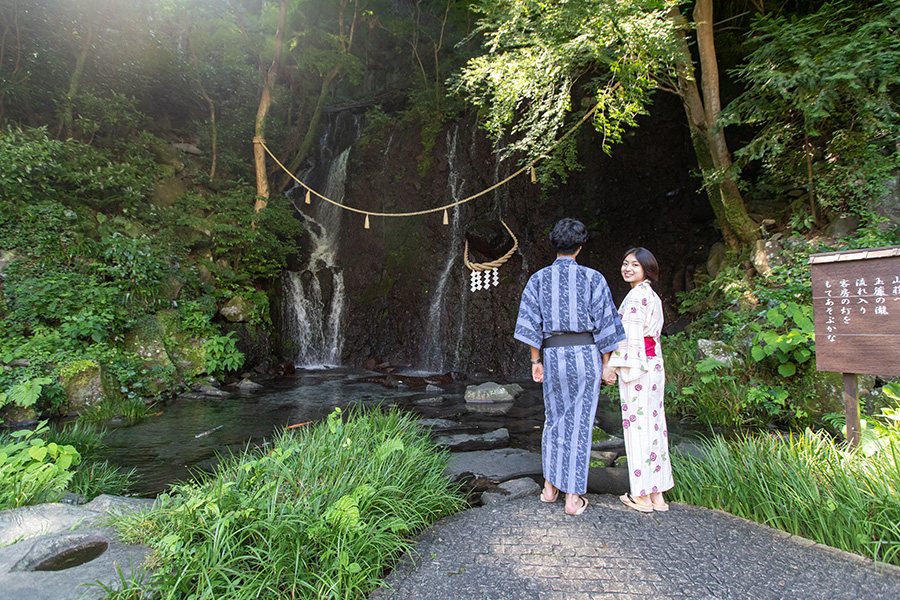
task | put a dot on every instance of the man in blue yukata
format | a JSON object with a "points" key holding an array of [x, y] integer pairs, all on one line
{"points": [[568, 315]]}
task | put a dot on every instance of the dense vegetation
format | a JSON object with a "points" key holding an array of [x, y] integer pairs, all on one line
{"points": [[133, 210], [319, 514]]}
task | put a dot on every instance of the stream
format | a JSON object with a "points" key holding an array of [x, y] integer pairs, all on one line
{"points": [[191, 432]]}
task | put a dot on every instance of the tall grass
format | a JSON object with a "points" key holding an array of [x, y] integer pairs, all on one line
{"points": [[320, 514], [805, 485]]}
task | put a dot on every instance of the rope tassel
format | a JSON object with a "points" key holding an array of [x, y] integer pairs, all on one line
{"points": [[367, 221], [446, 218], [533, 175], [307, 197]]}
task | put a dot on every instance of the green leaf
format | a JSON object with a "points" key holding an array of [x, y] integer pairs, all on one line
{"points": [[775, 316], [37, 453], [787, 369]]}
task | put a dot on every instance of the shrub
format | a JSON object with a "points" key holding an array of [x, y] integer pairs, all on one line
{"points": [[804, 484], [321, 513], [32, 470]]}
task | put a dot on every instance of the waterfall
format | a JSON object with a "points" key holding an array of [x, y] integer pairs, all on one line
{"points": [[314, 298], [436, 326]]}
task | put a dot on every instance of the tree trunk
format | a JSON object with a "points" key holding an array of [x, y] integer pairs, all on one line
{"points": [[270, 76], [702, 111], [67, 119], [209, 102], [346, 39], [313, 127]]}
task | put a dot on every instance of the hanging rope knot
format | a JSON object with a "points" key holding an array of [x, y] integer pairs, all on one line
{"points": [[485, 274]]}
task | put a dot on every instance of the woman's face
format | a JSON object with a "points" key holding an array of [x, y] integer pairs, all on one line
{"points": [[632, 271]]}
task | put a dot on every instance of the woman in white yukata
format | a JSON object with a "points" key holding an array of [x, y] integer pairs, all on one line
{"points": [[568, 318], [638, 362]]}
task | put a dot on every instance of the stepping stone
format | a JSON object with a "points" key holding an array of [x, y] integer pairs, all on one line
{"points": [[492, 392], [439, 424], [610, 443], [498, 465], [54, 551], [432, 401], [512, 490], [607, 457], [462, 442], [608, 480]]}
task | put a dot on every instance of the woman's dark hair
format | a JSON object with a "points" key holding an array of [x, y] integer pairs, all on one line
{"points": [[568, 235], [648, 262]]}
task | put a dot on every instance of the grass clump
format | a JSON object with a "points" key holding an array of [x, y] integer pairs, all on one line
{"points": [[804, 484], [322, 513]]}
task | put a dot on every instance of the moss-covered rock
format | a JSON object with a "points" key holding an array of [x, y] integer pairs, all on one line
{"points": [[238, 310], [83, 382], [146, 339]]}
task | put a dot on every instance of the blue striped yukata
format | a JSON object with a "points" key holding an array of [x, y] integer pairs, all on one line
{"points": [[567, 297]]}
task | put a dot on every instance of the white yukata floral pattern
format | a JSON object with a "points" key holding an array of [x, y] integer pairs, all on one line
{"points": [[642, 382]]}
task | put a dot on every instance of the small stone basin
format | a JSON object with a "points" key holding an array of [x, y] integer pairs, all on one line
{"points": [[61, 552], [73, 557]]}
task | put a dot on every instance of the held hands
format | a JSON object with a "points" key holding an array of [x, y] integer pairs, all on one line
{"points": [[609, 375], [537, 372]]}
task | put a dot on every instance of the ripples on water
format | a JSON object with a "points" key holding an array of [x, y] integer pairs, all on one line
{"points": [[166, 448]]}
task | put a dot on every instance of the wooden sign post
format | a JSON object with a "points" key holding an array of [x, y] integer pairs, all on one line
{"points": [[856, 315]]}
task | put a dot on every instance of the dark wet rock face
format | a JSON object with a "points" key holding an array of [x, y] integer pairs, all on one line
{"points": [[407, 291]]}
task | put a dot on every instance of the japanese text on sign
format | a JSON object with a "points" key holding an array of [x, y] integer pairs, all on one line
{"points": [[856, 307]]}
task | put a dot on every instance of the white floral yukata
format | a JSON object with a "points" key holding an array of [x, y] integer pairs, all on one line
{"points": [[642, 380]]}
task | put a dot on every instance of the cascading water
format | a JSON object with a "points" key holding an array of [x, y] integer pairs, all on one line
{"points": [[435, 327], [313, 308]]}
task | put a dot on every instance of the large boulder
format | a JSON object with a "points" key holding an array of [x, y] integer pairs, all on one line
{"points": [[490, 393], [237, 310], [716, 258], [842, 226], [764, 255], [166, 192], [86, 385], [720, 351]]}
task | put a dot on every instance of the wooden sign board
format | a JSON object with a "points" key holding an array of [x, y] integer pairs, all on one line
{"points": [[856, 310]]}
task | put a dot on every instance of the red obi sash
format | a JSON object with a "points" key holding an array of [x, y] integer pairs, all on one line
{"points": [[650, 347]]}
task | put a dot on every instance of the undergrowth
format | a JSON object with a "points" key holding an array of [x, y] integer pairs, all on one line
{"points": [[321, 513]]}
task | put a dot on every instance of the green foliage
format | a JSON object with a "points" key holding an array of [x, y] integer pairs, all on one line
{"points": [[130, 410], [881, 432], [789, 337], [93, 478], [32, 470], [535, 55], [805, 485], [321, 513], [822, 90], [222, 354], [138, 268], [254, 245], [26, 393]]}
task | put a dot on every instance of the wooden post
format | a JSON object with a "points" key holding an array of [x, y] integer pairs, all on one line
{"points": [[851, 409]]}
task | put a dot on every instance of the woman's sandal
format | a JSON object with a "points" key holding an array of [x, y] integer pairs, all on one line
{"points": [[552, 499], [660, 507], [579, 510], [628, 501]]}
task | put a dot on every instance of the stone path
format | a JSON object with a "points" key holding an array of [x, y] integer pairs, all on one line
{"points": [[526, 549]]}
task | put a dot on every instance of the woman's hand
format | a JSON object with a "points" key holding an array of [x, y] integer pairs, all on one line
{"points": [[537, 372], [609, 375]]}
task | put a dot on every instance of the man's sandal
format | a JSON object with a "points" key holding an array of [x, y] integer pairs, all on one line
{"points": [[580, 509]]}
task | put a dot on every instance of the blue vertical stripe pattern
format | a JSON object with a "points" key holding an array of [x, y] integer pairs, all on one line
{"points": [[568, 297]]}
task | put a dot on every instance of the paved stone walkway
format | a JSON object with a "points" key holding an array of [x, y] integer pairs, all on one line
{"points": [[526, 549]]}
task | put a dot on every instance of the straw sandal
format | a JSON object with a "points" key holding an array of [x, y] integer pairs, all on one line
{"points": [[628, 501]]}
